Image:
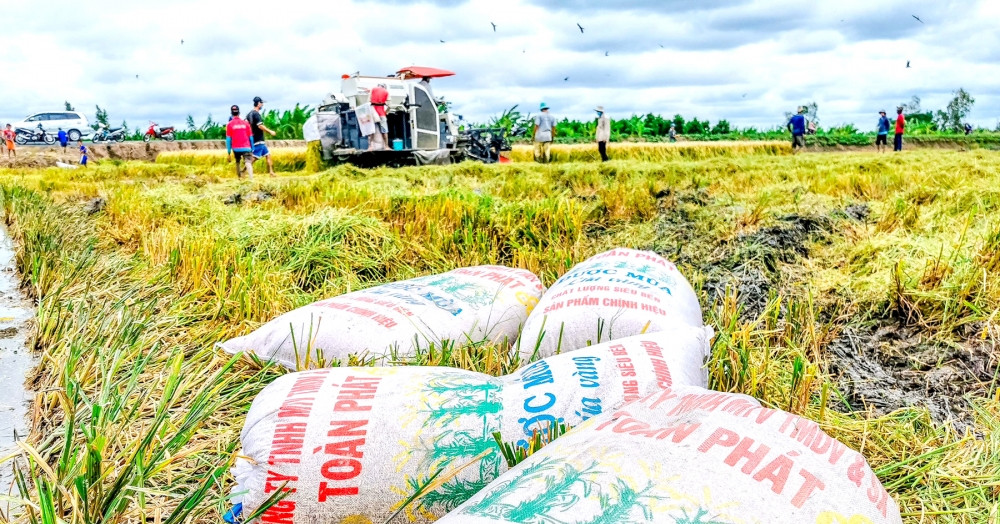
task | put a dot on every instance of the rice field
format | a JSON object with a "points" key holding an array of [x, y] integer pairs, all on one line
{"points": [[857, 289], [295, 159]]}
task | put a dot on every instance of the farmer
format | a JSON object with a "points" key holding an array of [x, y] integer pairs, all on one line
{"points": [[426, 82], [8, 138], [63, 139], [900, 125], [257, 126], [239, 141], [797, 125], [968, 128], [673, 132], [83, 153], [603, 133], [544, 132], [881, 139], [378, 98]]}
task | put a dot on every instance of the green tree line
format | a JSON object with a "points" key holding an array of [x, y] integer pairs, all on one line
{"points": [[649, 127], [287, 124]]}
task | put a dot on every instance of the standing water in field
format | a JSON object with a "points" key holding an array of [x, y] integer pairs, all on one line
{"points": [[15, 358]]}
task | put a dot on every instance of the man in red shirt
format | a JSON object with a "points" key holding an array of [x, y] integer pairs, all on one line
{"points": [[239, 140], [900, 125], [378, 97]]}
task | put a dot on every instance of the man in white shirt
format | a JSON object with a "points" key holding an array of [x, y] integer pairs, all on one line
{"points": [[603, 133]]}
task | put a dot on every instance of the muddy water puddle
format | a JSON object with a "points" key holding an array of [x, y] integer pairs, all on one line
{"points": [[16, 361]]}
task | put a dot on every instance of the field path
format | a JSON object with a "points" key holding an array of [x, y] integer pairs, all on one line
{"points": [[16, 314]]}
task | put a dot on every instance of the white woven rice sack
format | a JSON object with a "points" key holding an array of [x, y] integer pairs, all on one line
{"points": [[688, 455], [572, 387], [615, 294], [357, 442], [482, 303]]}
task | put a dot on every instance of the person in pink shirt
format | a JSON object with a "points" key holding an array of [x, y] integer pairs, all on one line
{"points": [[8, 138], [378, 97], [239, 141]]}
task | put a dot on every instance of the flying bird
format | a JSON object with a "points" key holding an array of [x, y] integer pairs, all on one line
{"points": [[580, 26], [661, 46], [907, 64], [917, 18], [744, 95], [182, 41], [442, 41], [494, 27], [566, 79], [137, 76], [605, 53]]}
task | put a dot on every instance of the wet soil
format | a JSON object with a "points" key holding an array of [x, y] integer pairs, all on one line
{"points": [[16, 361], [879, 365], [887, 367]]}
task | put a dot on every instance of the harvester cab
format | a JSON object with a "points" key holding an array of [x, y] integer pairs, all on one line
{"points": [[421, 129]]}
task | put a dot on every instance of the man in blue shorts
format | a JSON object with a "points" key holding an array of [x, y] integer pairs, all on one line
{"points": [[797, 125], [258, 128], [881, 139]]}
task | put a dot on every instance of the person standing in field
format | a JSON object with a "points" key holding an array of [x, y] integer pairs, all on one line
{"points": [[544, 133], [881, 139], [83, 153], [63, 139], [258, 128], [378, 97], [603, 133], [900, 125], [673, 133], [239, 142], [797, 125], [8, 138]]}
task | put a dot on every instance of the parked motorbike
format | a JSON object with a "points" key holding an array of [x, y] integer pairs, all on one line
{"points": [[155, 131], [103, 134], [24, 135]]}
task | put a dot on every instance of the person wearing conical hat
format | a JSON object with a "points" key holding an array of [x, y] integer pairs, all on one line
{"points": [[544, 133], [603, 133]]}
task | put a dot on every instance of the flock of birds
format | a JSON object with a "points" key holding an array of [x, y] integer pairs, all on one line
{"points": [[608, 53]]}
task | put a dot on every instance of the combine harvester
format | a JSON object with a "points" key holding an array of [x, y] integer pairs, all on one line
{"points": [[421, 130]]}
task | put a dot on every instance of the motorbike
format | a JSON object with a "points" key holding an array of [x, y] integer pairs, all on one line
{"points": [[25, 135], [103, 134], [155, 131]]}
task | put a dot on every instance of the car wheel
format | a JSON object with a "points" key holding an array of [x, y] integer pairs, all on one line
{"points": [[73, 135]]}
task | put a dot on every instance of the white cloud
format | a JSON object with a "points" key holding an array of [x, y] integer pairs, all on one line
{"points": [[746, 61]]}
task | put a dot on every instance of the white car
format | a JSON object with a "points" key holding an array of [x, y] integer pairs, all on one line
{"points": [[74, 123]]}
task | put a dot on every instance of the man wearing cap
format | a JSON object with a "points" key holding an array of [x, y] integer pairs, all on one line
{"points": [[239, 140], [603, 133], [897, 142], [258, 128], [797, 125], [881, 138], [544, 132], [378, 97]]}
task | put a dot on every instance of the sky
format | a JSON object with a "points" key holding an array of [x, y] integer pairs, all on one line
{"points": [[746, 61]]}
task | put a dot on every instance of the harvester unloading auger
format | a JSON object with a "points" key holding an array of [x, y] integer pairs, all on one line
{"points": [[420, 130]]}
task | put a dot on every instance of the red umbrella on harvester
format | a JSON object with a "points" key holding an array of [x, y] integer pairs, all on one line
{"points": [[420, 72]]}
